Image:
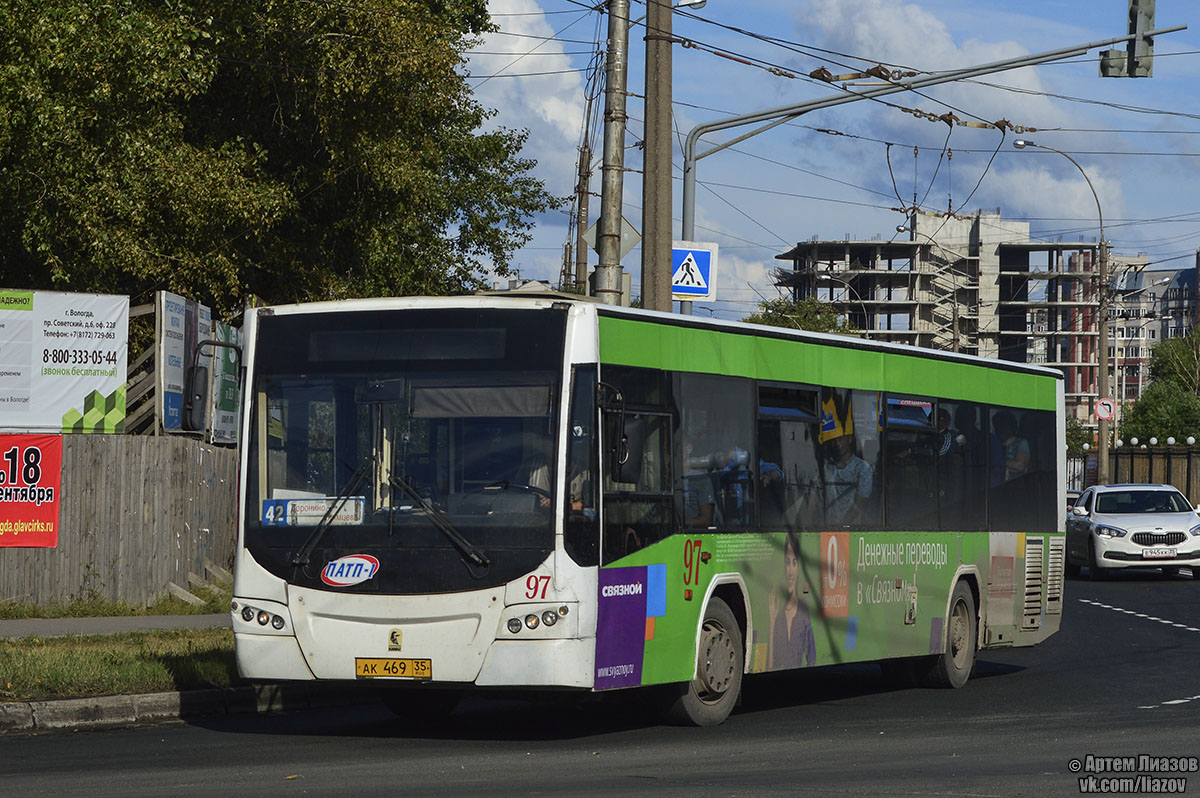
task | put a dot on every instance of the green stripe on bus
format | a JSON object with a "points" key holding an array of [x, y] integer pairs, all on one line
{"points": [[627, 342]]}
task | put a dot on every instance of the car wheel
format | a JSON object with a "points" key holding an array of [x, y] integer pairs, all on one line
{"points": [[1072, 569]]}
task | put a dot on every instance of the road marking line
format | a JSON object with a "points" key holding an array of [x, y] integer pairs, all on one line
{"points": [[1172, 702]]}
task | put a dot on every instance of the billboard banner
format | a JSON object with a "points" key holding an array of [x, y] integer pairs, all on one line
{"points": [[62, 361], [225, 390], [30, 477], [182, 324]]}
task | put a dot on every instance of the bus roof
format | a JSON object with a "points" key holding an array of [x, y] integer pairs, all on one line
{"points": [[546, 299]]}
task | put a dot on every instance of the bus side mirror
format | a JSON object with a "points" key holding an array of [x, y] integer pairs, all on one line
{"points": [[195, 386], [195, 401]]}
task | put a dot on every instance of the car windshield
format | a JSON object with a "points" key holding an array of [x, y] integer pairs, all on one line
{"points": [[1141, 501]]}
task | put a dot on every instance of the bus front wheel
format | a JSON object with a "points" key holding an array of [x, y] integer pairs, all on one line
{"points": [[708, 699], [953, 666]]}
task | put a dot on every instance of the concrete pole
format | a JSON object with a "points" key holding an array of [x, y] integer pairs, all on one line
{"points": [[656, 180], [1102, 355], [608, 236], [581, 221]]}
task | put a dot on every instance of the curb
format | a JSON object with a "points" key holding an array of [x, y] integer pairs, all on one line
{"points": [[127, 710]]}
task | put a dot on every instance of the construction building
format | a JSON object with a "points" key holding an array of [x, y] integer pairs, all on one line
{"points": [[979, 285]]}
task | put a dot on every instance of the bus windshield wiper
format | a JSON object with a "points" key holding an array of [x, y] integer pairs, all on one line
{"points": [[473, 554], [301, 558]]}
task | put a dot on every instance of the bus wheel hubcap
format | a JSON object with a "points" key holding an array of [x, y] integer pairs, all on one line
{"points": [[717, 660], [958, 634]]}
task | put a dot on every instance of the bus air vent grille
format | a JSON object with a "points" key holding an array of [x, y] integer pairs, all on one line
{"points": [[1031, 615], [1054, 578]]}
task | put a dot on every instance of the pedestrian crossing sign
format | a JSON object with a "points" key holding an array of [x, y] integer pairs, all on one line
{"points": [[693, 271]]}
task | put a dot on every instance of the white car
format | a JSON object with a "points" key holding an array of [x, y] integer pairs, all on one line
{"points": [[1132, 526]]}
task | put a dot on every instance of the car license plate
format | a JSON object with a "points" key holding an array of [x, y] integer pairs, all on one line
{"points": [[1158, 553], [386, 668]]}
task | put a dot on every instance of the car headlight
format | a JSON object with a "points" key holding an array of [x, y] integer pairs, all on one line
{"points": [[1110, 532], [1195, 530]]}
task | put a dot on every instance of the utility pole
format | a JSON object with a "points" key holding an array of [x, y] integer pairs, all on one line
{"points": [[608, 236], [1102, 355], [581, 216], [656, 180]]}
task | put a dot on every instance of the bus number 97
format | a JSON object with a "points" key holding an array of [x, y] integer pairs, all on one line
{"points": [[691, 562], [532, 585]]}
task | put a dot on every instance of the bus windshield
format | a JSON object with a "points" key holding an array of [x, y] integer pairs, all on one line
{"points": [[419, 440]]}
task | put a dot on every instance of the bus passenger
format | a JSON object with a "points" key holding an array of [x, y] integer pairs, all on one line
{"points": [[849, 480], [699, 495], [1016, 448]]}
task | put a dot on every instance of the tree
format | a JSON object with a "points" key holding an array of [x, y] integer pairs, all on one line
{"points": [[1178, 360], [1077, 436], [806, 314], [288, 149], [1165, 409]]}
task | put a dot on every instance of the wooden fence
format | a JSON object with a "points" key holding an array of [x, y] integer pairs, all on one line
{"points": [[137, 513], [1171, 465]]}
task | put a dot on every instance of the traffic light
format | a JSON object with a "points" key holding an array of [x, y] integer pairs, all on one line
{"points": [[1137, 60]]}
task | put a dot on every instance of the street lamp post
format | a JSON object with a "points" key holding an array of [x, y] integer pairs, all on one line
{"points": [[1102, 387], [826, 277]]}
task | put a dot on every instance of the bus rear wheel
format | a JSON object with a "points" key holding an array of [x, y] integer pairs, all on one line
{"points": [[953, 666], [708, 699]]}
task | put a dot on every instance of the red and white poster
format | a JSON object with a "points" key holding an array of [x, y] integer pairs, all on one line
{"points": [[30, 476]]}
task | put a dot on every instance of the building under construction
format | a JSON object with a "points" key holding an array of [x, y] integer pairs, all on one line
{"points": [[979, 285]]}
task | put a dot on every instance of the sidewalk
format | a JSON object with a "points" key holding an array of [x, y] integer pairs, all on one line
{"points": [[59, 627], [128, 710]]}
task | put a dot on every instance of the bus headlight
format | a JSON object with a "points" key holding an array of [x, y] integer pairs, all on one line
{"points": [[264, 617], [514, 625], [531, 621], [277, 622], [549, 617], [247, 614]]}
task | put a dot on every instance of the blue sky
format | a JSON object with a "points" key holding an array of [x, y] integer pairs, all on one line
{"points": [[827, 174]]}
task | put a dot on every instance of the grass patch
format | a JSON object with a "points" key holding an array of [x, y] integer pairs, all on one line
{"points": [[216, 600], [37, 669]]}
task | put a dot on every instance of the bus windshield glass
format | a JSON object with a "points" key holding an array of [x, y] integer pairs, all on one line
{"points": [[405, 451]]}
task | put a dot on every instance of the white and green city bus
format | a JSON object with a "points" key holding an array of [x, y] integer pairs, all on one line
{"points": [[448, 494]]}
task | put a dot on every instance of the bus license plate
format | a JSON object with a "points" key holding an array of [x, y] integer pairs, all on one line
{"points": [[379, 668], [1158, 553]]}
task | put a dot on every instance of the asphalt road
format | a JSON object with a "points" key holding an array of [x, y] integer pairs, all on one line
{"points": [[1120, 679]]}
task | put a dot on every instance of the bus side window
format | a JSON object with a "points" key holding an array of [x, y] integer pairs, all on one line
{"points": [[581, 529], [637, 514], [850, 456], [719, 465], [910, 472], [789, 473]]}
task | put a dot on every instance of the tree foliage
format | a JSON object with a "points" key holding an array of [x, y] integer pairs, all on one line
{"points": [[1165, 409], [289, 149], [1077, 436], [1178, 360], [806, 314]]}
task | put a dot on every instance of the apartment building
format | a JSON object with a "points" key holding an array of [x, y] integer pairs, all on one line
{"points": [[980, 285]]}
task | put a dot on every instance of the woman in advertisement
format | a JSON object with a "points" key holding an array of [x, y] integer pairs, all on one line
{"points": [[790, 639]]}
